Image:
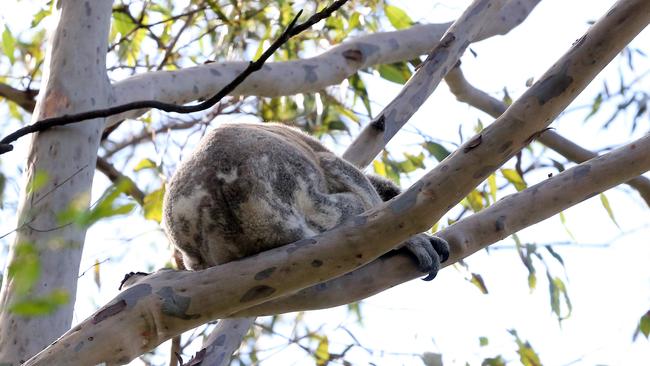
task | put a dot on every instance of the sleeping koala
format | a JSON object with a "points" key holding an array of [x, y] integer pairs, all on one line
{"points": [[248, 188]]}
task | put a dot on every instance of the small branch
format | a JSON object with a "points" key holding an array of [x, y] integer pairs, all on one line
{"points": [[291, 30], [26, 99], [218, 347], [115, 176], [466, 92], [172, 44]]}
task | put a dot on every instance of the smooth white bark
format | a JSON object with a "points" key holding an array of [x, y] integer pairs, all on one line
{"points": [[74, 81]]}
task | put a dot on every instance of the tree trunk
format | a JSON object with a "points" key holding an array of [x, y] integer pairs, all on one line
{"points": [[74, 80]]}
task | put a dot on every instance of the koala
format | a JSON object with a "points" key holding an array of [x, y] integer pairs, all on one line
{"points": [[248, 188]]}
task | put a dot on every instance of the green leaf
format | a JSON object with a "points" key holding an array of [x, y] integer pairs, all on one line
{"points": [[644, 324], [608, 208], [397, 17], [558, 292], [411, 163], [40, 15], [566, 227], [475, 200], [380, 168], [595, 106], [436, 150], [354, 22], [527, 354], [41, 305], [322, 354], [145, 164], [37, 182], [161, 9], [492, 183], [398, 72], [261, 45], [483, 341], [153, 203], [532, 281], [507, 100], [360, 91], [513, 177], [25, 268], [355, 308], [122, 23], [105, 207], [9, 44], [14, 111], [494, 361], [477, 280]]}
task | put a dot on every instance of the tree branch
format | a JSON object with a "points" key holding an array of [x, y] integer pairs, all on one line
{"points": [[301, 76], [26, 99], [292, 30], [168, 302], [509, 215], [382, 128], [115, 176], [466, 92]]}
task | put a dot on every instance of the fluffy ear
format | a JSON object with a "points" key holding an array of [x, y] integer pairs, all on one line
{"points": [[384, 187]]}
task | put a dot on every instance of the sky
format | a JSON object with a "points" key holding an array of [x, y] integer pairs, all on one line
{"points": [[606, 273]]}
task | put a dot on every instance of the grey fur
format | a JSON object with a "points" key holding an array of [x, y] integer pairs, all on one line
{"points": [[253, 187]]}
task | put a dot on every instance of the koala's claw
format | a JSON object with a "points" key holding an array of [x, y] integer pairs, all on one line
{"points": [[429, 251]]}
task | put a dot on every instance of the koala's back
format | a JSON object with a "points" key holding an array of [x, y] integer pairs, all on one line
{"points": [[246, 188]]}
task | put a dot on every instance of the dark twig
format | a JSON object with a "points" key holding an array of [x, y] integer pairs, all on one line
{"points": [[291, 30]]}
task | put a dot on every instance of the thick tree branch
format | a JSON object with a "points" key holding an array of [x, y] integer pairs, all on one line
{"points": [[382, 128], [509, 215], [301, 76], [466, 92], [168, 302]]}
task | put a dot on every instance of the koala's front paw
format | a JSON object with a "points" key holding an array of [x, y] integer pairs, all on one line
{"points": [[429, 251]]}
